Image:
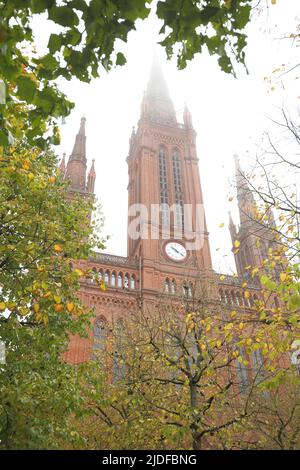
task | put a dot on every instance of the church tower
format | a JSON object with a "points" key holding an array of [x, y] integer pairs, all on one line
{"points": [[164, 191], [255, 238]]}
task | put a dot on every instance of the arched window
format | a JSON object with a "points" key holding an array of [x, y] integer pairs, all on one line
{"points": [[185, 290], [257, 360], [233, 300], [173, 286], [239, 299], [106, 277], [119, 365], [120, 280], [100, 275], [179, 213], [164, 198], [126, 281], [167, 286], [248, 255], [221, 295], [113, 279], [190, 290], [93, 275], [241, 371], [132, 281], [99, 333], [227, 299]]}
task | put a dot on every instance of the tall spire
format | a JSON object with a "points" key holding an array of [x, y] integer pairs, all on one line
{"points": [[187, 118], [91, 178], [246, 201], [62, 165], [76, 167], [157, 105]]}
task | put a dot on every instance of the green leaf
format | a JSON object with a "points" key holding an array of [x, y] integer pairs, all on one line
{"points": [[121, 60], [64, 16], [26, 88], [55, 42], [38, 6]]}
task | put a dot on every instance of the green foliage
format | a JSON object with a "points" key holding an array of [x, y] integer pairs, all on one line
{"points": [[89, 41], [41, 233], [216, 24]]}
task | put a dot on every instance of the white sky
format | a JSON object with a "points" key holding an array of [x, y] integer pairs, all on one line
{"points": [[228, 114]]}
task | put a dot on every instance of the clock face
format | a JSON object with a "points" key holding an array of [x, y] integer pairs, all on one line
{"points": [[175, 251]]}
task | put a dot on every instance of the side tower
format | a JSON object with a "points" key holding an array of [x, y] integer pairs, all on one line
{"points": [[164, 180], [75, 170], [255, 239]]}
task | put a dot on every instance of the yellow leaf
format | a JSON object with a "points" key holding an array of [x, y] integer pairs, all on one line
{"points": [[102, 286], [58, 248], [2, 306], [26, 165], [222, 225], [236, 244], [241, 325], [36, 308], [247, 294], [222, 277], [70, 306], [52, 179], [78, 272], [58, 307], [273, 2], [233, 313], [283, 276]]}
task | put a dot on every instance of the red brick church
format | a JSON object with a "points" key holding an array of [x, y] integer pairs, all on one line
{"points": [[160, 266]]}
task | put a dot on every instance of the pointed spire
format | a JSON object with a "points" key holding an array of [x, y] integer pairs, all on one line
{"points": [[246, 201], [62, 165], [91, 178], [79, 145], [157, 105], [157, 87], [187, 117], [76, 167]]}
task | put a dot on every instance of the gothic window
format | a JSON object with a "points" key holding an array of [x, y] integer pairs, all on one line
{"points": [[119, 366], [113, 279], [173, 287], [227, 300], [248, 255], [221, 295], [233, 301], [132, 282], [242, 374], [164, 199], [126, 281], [185, 290], [179, 212], [100, 274], [106, 277], [120, 280], [239, 300], [257, 360], [167, 286], [190, 290], [100, 332]]}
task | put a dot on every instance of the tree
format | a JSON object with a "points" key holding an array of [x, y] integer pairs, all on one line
{"points": [[193, 374], [41, 237], [89, 35]]}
